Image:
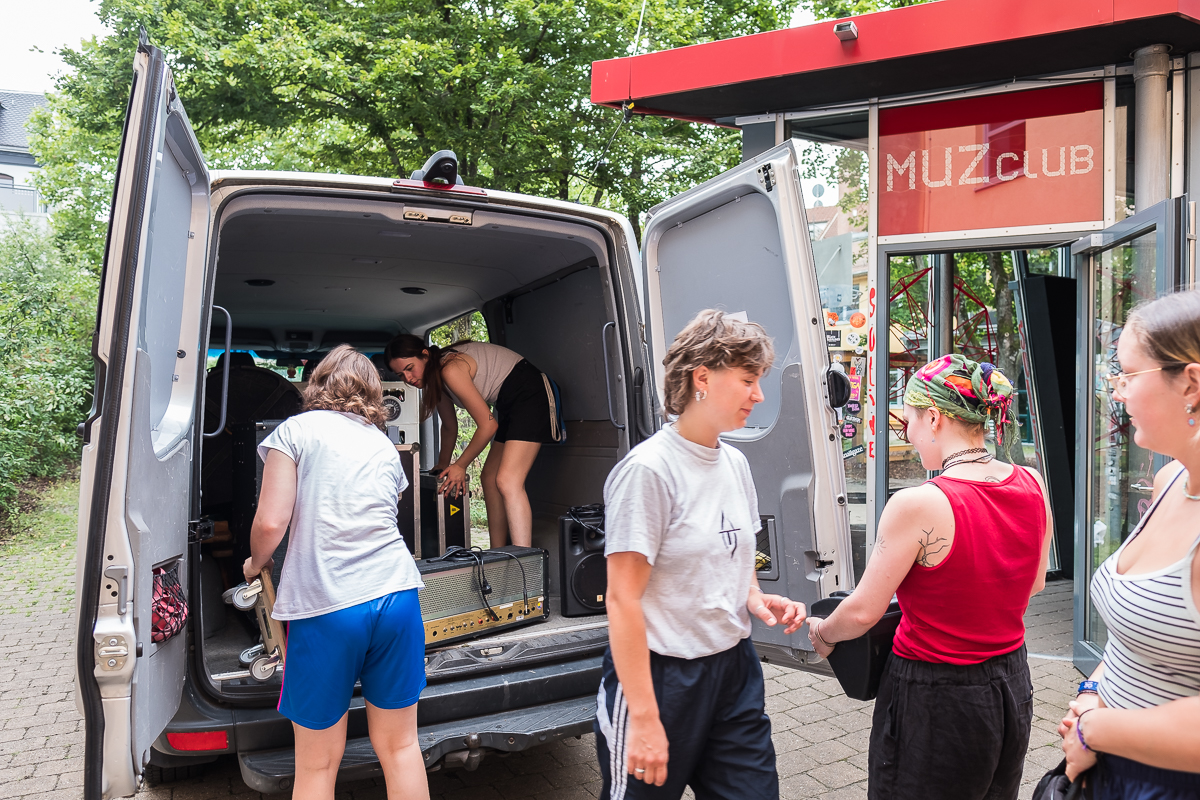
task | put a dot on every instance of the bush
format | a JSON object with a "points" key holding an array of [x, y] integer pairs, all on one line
{"points": [[47, 312]]}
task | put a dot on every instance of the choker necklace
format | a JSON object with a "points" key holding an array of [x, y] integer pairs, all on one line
{"points": [[1185, 490], [953, 456], [981, 460]]}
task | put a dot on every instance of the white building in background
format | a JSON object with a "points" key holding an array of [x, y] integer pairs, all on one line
{"points": [[17, 164]]}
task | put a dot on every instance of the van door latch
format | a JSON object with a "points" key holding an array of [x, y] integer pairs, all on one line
{"points": [[111, 652], [200, 530]]}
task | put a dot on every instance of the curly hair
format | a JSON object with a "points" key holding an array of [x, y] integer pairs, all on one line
{"points": [[715, 340], [346, 380]]}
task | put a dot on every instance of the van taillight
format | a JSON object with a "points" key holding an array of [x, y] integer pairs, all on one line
{"points": [[203, 740]]}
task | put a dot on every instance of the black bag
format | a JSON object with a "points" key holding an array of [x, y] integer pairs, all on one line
{"points": [[1055, 786], [858, 663]]}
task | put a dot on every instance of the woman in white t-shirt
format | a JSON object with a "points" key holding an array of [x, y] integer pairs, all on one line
{"points": [[349, 585], [681, 516]]}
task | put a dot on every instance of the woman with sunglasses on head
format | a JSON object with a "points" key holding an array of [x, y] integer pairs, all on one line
{"points": [[1141, 706], [681, 700], [963, 553]]}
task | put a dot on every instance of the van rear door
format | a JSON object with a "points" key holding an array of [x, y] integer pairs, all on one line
{"points": [[740, 243], [140, 437]]}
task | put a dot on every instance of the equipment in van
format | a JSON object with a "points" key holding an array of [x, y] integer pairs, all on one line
{"points": [[581, 560], [262, 659], [402, 404], [472, 592], [445, 521], [858, 663]]}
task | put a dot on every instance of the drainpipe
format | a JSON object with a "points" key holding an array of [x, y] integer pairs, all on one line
{"points": [[1152, 126]]}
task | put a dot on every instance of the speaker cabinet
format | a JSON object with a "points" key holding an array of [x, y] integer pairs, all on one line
{"points": [[581, 559]]}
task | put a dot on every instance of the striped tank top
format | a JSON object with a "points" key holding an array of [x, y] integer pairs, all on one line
{"points": [[1153, 650]]}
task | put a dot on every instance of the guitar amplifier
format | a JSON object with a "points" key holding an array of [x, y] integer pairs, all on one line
{"points": [[470, 593]]}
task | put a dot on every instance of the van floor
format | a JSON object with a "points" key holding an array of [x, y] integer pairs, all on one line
{"points": [[222, 649]]}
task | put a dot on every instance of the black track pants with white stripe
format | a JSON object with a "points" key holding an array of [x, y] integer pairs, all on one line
{"points": [[718, 733]]}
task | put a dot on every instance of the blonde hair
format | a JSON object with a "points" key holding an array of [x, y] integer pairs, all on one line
{"points": [[346, 380], [715, 340], [1169, 328]]}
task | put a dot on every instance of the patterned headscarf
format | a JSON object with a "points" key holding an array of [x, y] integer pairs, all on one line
{"points": [[965, 390]]}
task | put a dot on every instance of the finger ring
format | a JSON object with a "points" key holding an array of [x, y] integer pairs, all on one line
{"points": [[639, 769]]}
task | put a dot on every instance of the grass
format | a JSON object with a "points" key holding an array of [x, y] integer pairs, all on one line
{"points": [[39, 548]]}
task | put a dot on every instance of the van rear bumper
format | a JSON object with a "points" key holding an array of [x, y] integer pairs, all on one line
{"points": [[461, 742]]}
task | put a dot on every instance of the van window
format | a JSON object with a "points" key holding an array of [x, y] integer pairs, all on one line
{"points": [[736, 249]]}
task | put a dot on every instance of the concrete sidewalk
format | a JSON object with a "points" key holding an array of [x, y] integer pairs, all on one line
{"points": [[820, 735]]}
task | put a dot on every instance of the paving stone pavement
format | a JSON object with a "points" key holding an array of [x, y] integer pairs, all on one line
{"points": [[820, 735]]}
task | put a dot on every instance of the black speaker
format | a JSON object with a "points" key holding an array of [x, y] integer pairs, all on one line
{"points": [[581, 559]]}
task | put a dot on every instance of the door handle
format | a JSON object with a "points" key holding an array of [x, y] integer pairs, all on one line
{"points": [[607, 374], [225, 371]]}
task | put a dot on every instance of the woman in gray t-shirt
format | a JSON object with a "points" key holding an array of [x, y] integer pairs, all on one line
{"points": [[681, 517]]}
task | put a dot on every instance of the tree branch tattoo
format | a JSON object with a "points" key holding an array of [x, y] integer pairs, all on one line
{"points": [[930, 547]]}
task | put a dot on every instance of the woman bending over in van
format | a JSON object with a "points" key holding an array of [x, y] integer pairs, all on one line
{"points": [[479, 376], [963, 553], [349, 586], [1141, 707], [681, 678]]}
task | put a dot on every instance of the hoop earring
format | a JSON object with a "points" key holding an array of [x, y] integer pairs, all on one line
{"points": [[701, 395]]}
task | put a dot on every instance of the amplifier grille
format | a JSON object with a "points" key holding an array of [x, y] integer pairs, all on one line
{"points": [[456, 591]]}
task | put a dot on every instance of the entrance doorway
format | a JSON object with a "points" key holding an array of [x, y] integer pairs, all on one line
{"points": [[1009, 306]]}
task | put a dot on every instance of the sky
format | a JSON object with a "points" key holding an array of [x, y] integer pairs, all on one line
{"points": [[46, 25]]}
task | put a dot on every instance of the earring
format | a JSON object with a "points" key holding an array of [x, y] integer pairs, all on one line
{"points": [[1191, 420], [701, 395]]}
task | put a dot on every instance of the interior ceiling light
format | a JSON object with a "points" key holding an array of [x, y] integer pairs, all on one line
{"points": [[367, 260], [260, 282], [396, 234], [413, 290]]}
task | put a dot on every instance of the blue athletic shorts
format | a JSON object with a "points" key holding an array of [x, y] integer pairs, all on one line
{"points": [[380, 642]]}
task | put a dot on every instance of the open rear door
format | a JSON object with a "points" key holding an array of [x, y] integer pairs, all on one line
{"points": [[140, 437], [740, 243]]}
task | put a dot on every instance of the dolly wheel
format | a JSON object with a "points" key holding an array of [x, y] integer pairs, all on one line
{"points": [[263, 668], [244, 597], [247, 656]]}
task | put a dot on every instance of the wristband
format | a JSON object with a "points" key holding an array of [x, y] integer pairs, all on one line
{"points": [[1088, 687], [1079, 729], [817, 631]]}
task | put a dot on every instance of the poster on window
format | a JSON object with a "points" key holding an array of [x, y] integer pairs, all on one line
{"points": [[997, 161]]}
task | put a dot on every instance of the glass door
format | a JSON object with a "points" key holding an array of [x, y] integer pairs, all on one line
{"points": [[1133, 261]]}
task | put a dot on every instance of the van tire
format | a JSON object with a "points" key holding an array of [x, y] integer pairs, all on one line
{"points": [[157, 776]]}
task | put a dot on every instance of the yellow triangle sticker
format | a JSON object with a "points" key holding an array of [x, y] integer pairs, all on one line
{"points": [[454, 509]]}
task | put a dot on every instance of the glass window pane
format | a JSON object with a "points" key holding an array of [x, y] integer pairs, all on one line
{"points": [[909, 334], [1122, 473]]}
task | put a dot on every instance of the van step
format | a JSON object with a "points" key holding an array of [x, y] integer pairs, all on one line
{"points": [[272, 770]]}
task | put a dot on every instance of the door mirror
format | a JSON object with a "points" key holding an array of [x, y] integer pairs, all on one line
{"points": [[839, 387]]}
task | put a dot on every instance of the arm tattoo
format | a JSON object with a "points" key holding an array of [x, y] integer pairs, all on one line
{"points": [[930, 546]]}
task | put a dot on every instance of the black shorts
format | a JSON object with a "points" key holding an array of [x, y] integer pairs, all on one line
{"points": [[719, 735], [522, 407], [950, 732]]}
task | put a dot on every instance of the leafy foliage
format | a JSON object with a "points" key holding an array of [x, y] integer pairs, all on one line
{"points": [[47, 307], [837, 9], [375, 87]]}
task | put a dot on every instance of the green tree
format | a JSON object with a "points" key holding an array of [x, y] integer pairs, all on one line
{"points": [[837, 9], [47, 309], [375, 87]]}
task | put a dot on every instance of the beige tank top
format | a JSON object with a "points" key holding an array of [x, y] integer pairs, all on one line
{"points": [[493, 364]]}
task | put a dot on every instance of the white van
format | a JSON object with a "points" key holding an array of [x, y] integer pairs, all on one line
{"points": [[302, 262]]}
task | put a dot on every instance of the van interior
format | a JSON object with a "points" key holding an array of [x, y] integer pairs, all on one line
{"points": [[300, 274]]}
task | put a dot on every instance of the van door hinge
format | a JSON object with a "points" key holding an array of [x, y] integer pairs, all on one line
{"points": [[766, 176], [200, 530]]}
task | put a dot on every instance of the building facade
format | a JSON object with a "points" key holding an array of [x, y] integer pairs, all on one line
{"points": [[1020, 174], [17, 164]]}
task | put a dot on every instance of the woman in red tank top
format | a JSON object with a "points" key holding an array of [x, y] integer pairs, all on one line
{"points": [[963, 554]]}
